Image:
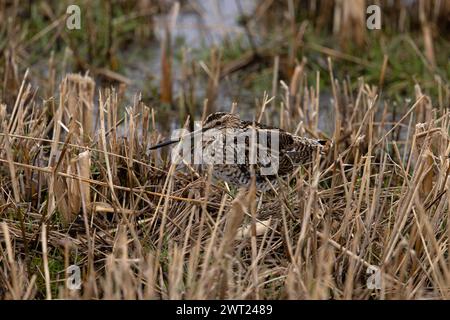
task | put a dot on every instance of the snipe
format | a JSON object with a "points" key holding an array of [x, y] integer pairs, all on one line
{"points": [[238, 149]]}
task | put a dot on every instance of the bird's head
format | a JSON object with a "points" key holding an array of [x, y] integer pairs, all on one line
{"points": [[217, 120], [221, 120]]}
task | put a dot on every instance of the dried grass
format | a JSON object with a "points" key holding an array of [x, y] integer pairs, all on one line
{"points": [[141, 228], [80, 190]]}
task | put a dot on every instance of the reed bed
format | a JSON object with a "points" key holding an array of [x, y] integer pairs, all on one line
{"points": [[81, 188]]}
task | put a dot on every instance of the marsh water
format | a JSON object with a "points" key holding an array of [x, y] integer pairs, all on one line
{"points": [[207, 24]]}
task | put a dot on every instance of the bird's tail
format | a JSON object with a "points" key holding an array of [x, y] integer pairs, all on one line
{"points": [[306, 149]]}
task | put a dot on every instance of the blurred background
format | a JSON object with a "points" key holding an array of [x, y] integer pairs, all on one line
{"points": [[180, 57]]}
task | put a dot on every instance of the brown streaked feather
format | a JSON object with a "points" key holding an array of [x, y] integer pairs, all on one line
{"points": [[293, 150]]}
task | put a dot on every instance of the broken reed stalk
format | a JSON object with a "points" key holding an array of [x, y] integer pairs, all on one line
{"points": [[166, 68], [350, 21], [74, 117]]}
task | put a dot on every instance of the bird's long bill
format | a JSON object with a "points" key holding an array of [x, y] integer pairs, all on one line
{"points": [[163, 144], [172, 141]]}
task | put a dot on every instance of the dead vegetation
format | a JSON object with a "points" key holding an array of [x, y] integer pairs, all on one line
{"points": [[141, 227], [78, 185]]}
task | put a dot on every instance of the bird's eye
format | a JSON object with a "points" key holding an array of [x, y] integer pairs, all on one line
{"points": [[219, 122]]}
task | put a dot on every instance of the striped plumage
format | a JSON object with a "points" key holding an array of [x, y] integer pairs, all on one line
{"points": [[293, 150], [220, 128]]}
